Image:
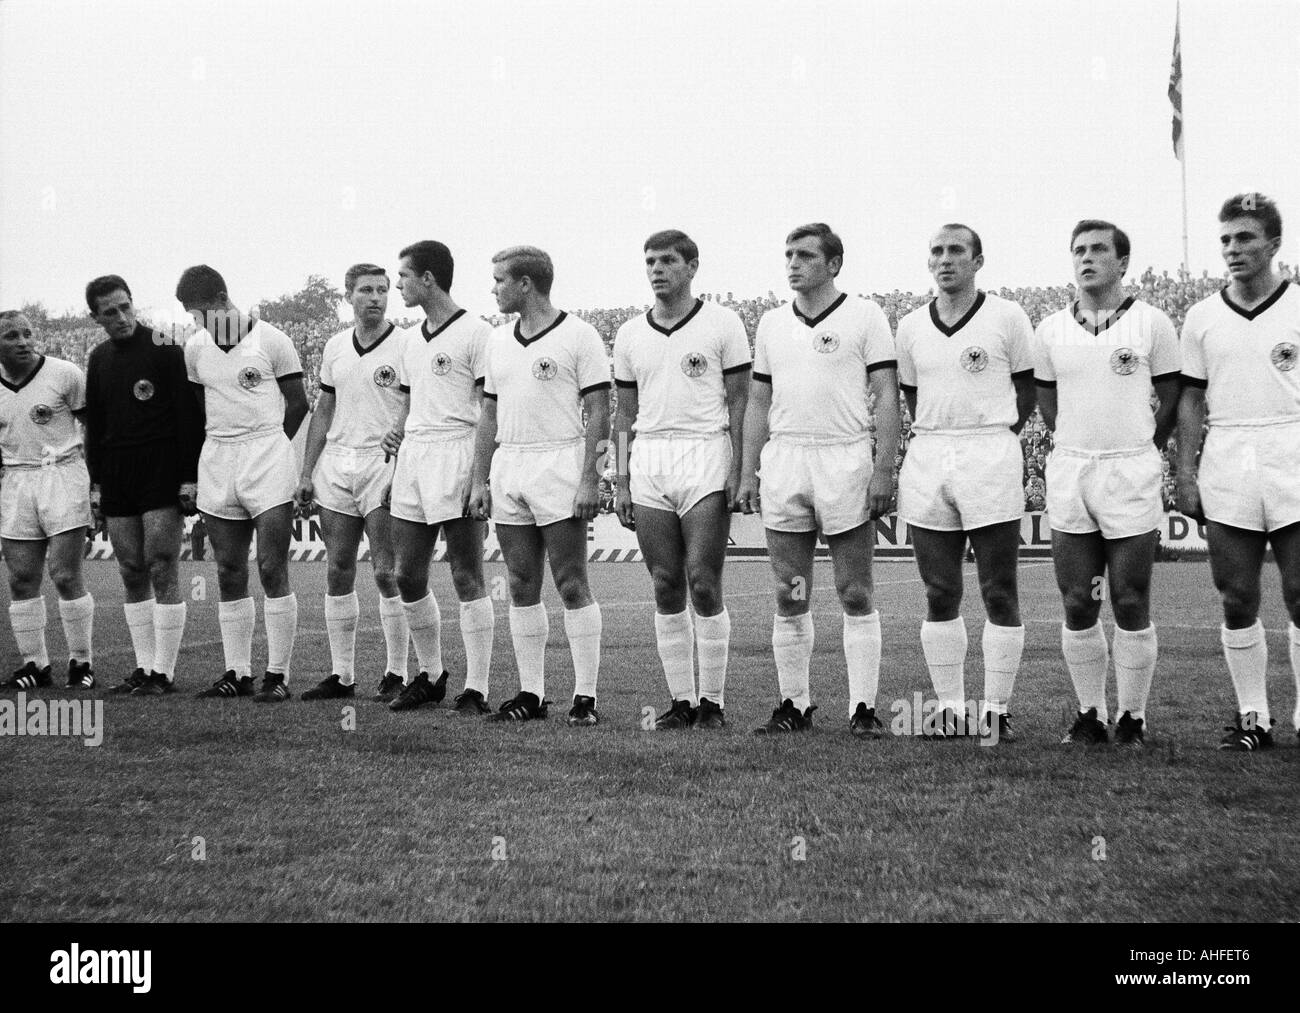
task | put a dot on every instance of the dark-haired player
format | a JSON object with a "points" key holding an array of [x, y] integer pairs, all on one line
{"points": [[144, 430], [1096, 363], [441, 370], [1241, 349], [817, 360], [254, 402], [682, 371]]}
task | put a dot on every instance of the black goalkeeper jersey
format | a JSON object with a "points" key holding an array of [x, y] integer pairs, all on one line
{"points": [[138, 396]]}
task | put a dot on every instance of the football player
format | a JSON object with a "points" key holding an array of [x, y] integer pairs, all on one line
{"points": [[682, 372], [544, 372], [1240, 352], [965, 365], [144, 429], [44, 502], [254, 402], [1096, 363], [346, 475], [817, 361]]}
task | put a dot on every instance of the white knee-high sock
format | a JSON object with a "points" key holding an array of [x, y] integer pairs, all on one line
{"points": [[792, 647], [425, 621], [27, 617], [1295, 671], [341, 613], [675, 637], [1086, 656], [1246, 652], [78, 618], [139, 621], [1003, 647], [397, 635], [168, 631], [944, 646], [281, 618], [583, 628], [529, 628], [478, 623], [237, 619], [712, 642], [1135, 653], [862, 657]]}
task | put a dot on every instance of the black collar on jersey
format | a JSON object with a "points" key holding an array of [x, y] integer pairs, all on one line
{"points": [[519, 335], [231, 346], [430, 335], [668, 331], [1095, 329], [1261, 308], [814, 321], [40, 361], [950, 331], [362, 351]]}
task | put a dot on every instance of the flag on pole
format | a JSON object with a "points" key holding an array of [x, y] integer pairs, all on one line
{"points": [[1176, 89]]}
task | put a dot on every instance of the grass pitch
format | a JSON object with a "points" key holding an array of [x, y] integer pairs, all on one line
{"points": [[422, 815]]}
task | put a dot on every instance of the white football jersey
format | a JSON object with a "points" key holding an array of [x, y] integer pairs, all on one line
{"points": [[678, 371], [1103, 377], [441, 370], [818, 368], [241, 392], [962, 374], [539, 382], [364, 384], [1246, 358], [36, 423]]}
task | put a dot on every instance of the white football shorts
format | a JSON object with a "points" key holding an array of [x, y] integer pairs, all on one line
{"points": [[676, 472], [432, 481], [240, 479], [1250, 476], [39, 503], [961, 482], [536, 485], [814, 486], [1114, 492]]}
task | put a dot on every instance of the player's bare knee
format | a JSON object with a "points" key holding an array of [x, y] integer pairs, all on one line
{"points": [[573, 590], [1000, 604], [135, 577], [468, 584], [67, 581], [670, 589], [1240, 605], [1081, 607], [706, 593], [1131, 607], [163, 577], [943, 601], [23, 585], [855, 597], [341, 576]]}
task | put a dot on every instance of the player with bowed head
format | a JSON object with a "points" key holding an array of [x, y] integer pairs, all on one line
{"points": [[254, 401]]}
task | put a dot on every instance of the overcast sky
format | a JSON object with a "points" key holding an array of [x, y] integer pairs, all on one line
{"points": [[274, 140]]}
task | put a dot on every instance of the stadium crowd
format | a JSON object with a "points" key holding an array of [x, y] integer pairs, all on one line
{"points": [[1172, 294]]}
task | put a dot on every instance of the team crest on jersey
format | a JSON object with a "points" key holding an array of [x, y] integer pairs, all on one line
{"points": [[41, 414], [974, 359], [1284, 355], [545, 368], [1123, 361], [826, 342], [143, 390], [250, 377], [442, 363], [694, 364], [385, 376]]}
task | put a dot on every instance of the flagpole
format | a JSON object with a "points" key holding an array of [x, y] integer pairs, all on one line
{"points": [[1186, 260]]}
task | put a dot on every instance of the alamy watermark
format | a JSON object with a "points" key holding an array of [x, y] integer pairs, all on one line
{"points": [[80, 719]]}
